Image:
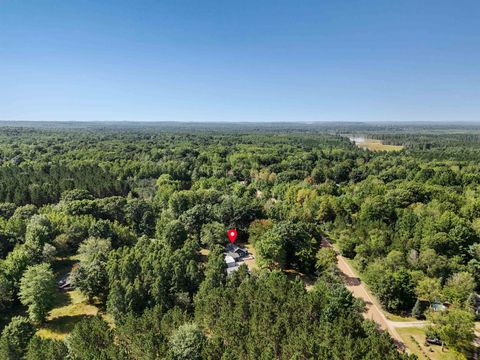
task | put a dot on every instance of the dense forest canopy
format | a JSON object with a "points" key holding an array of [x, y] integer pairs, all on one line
{"points": [[140, 211]]}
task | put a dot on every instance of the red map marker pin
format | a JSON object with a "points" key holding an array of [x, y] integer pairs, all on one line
{"points": [[232, 235]]}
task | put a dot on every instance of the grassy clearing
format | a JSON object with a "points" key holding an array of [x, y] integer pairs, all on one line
{"points": [[414, 339], [378, 145], [252, 263], [70, 308]]}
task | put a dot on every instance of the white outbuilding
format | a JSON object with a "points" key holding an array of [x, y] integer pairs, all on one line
{"points": [[230, 261]]}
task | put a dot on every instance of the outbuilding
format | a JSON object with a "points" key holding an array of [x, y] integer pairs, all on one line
{"points": [[230, 261]]}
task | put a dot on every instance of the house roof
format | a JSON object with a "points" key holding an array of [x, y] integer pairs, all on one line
{"points": [[231, 247], [234, 255], [229, 259], [241, 251]]}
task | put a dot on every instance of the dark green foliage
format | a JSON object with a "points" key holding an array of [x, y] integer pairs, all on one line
{"points": [[140, 216], [275, 317], [90, 276], [289, 244], [15, 337], [7, 209], [46, 349], [395, 290], [92, 339], [138, 207], [147, 336], [174, 234], [6, 291], [212, 234], [151, 273], [418, 310]]}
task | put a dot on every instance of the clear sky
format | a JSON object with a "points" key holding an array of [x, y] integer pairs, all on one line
{"points": [[296, 60]]}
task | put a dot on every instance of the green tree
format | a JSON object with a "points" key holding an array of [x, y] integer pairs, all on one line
{"points": [[289, 243], [90, 276], [395, 290], [326, 260], [6, 291], [272, 249], [187, 342], [258, 228], [46, 349], [455, 327], [37, 289], [212, 233], [175, 234], [91, 338], [347, 242], [458, 287], [15, 338], [76, 194], [429, 289], [39, 230], [418, 310]]}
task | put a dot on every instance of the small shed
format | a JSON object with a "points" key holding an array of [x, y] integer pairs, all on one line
{"points": [[230, 261]]}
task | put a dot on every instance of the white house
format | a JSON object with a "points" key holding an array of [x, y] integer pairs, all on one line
{"points": [[230, 261]]}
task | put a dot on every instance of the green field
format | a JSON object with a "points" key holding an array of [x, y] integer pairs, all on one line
{"points": [[71, 307], [378, 145], [414, 339]]}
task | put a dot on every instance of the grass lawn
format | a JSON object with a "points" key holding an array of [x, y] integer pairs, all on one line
{"points": [[70, 308], [251, 263], [394, 317], [414, 339]]}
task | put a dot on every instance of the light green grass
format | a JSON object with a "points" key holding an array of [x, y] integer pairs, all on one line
{"points": [[414, 339], [71, 307], [252, 263], [378, 145], [400, 318]]}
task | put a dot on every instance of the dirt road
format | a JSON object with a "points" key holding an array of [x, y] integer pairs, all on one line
{"points": [[373, 309], [358, 289]]}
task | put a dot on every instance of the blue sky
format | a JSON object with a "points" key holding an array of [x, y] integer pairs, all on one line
{"points": [[340, 60]]}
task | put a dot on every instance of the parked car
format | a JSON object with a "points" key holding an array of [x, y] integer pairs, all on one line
{"points": [[434, 341]]}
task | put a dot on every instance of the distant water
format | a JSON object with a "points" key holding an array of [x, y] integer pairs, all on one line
{"points": [[357, 140]]}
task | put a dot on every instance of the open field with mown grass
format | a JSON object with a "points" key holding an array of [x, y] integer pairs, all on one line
{"points": [[378, 145], [70, 308]]}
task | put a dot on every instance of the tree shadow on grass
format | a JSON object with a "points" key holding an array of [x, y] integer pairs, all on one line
{"points": [[61, 299], [63, 325], [63, 266]]}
